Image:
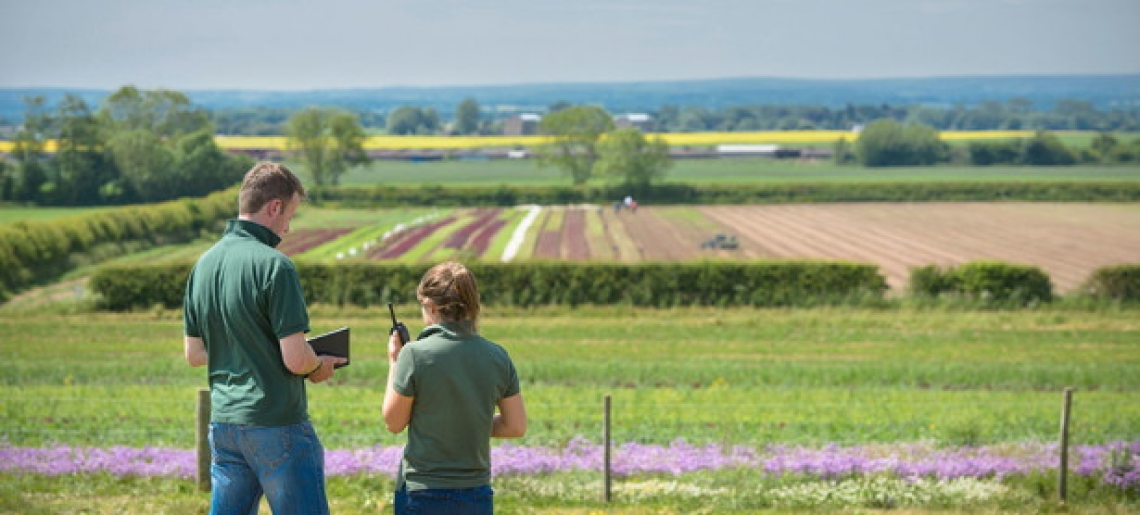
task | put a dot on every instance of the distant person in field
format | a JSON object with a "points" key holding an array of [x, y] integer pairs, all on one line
{"points": [[444, 387], [245, 319]]}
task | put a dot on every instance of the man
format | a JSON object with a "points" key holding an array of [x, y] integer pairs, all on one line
{"points": [[245, 318]]}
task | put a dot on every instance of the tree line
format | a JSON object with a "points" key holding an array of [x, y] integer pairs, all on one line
{"points": [[144, 146], [137, 147], [471, 119], [887, 142], [148, 146]]}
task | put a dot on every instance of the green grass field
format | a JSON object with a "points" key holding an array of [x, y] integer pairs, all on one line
{"points": [[708, 376], [734, 170]]}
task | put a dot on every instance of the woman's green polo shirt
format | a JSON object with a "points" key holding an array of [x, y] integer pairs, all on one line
{"points": [[457, 378]]}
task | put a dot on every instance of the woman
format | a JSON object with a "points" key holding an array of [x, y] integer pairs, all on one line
{"points": [[444, 387]]}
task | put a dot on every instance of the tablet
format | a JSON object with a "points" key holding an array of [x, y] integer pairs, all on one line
{"points": [[332, 343]]}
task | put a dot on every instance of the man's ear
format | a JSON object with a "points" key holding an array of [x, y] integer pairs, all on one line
{"points": [[273, 207]]}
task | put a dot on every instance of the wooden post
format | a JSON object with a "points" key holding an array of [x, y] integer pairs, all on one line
{"points": [[606, 443], [1063, 470], [204, 440]]}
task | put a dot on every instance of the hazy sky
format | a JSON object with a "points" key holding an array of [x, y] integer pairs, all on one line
{"points": [[292, 44]]}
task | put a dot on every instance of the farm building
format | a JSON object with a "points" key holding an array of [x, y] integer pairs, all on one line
{"points": [[640, 121], [525, 124]]}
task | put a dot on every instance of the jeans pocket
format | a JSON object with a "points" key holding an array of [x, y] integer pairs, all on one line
{"points": [[267, 446]]}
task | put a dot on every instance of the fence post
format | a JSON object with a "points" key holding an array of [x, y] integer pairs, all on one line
{"points": [[204, 440], [1063, 476], [606, 443]]}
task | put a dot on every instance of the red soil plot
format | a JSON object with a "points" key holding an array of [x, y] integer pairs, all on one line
{"points": [[574, 245], [459, 238], [566, 241], [298, 241], [549, 238], [398, 244], [482, 239]]}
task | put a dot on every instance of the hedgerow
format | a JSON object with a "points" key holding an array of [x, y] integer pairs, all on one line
{"points": [[540, 283], [662, 194], [39, 251]]}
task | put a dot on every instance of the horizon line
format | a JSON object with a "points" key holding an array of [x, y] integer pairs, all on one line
{"points": [[591, 83]]}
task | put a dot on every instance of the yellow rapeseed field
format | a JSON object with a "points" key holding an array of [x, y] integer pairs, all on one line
{"points": [[680, 139], [677, 139]]}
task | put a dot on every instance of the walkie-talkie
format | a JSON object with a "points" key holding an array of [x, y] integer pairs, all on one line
{"points": [[399, 327]]}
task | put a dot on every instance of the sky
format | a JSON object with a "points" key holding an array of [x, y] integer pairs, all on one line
{"points": [[290, 45]]}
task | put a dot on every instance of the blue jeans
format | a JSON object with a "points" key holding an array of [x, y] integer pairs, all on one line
{"points": [[284, 463], [446, 501]]}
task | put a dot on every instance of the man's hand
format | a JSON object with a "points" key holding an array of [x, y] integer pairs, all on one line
{"points": [[328, 367]]}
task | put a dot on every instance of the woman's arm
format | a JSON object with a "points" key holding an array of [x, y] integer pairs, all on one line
{"points": [[511, 420], [397, 407]]}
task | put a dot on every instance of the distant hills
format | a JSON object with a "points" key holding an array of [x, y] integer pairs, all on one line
{"points": [[1105, 92]]}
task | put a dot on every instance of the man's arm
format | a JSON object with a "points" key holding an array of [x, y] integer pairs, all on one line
{"points": [[298, 354], [300, 359], [511, 420], [195, 350]]}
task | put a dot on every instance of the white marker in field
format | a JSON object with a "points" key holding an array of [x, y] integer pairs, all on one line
{"points": [[519, 235]]}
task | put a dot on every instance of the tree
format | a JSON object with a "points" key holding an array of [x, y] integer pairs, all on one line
{"points": [[694, 119], [143, 129], [329, 141], [628, 154], [28, 151], [82, 168], [467, 117], [1045, 149], [202, 167], [668, 118], [842, 153], [145, 162], [164, 112], [885, 142], [574, 134], [1103, 147], [7, 181], [408, 120]]}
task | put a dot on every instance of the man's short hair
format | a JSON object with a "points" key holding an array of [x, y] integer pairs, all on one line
{"points": [[267, 181]]}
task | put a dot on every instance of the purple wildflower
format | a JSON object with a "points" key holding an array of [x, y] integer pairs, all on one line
{"points": [[1116, 464]]}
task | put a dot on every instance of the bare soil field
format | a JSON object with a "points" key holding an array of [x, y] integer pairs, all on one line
{"points": [[592, 233], [1068, 241]]}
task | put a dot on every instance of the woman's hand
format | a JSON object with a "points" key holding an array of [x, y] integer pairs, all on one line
{"points": [[394, 346]]}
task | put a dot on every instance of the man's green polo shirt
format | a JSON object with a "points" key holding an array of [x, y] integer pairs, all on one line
{"points": [[243, 296]]}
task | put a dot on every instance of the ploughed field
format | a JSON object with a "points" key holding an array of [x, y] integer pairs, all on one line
{"points": [[1067, 240]]}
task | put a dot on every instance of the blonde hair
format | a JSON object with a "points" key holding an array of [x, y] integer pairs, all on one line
{"points": [[451, 287], [267, 181]]}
